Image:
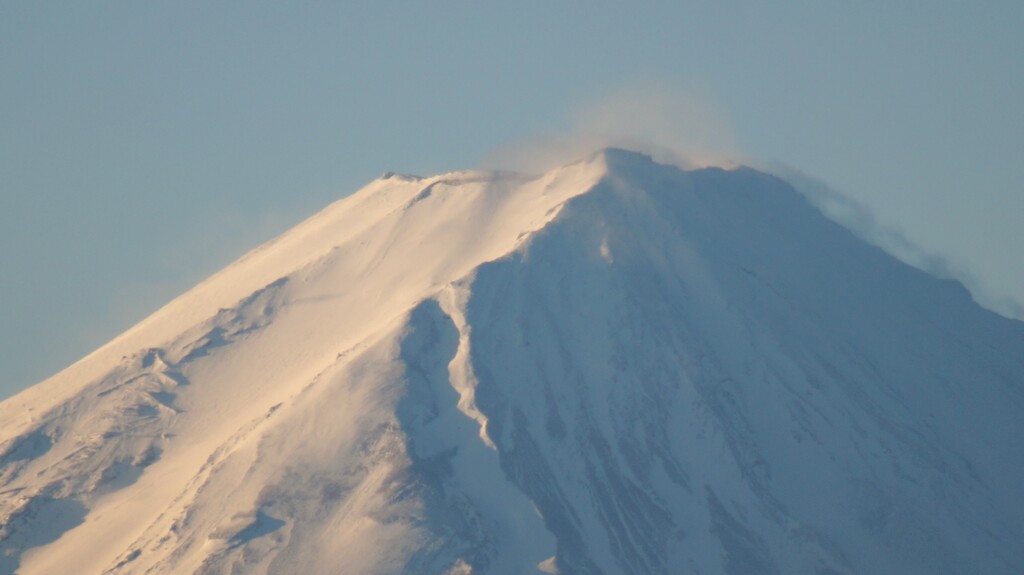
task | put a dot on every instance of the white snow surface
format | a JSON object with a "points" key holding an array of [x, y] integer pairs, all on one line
{"points": [[615, 367]]}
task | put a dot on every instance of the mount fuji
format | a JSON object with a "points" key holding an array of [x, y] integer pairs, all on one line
{"points": [[615, 367]]}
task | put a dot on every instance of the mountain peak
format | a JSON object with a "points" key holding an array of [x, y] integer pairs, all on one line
{"points": [[623, 157], [615, 367]]}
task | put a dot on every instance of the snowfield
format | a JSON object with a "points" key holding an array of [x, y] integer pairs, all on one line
{"points": [[615, 367]]}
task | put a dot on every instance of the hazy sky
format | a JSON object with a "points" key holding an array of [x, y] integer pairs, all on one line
{"points": [[144, 145]]}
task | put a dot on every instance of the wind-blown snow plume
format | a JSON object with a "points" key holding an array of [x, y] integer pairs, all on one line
{"points": [[859, 219], [686, 127], [674, 124]]}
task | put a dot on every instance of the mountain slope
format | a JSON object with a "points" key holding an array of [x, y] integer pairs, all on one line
{"points": [[618, 367]]}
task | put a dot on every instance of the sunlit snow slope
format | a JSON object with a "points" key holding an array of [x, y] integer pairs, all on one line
{"points": [[617, 367]]}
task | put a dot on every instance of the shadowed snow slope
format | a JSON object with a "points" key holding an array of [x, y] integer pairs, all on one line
{"points": [[616, 367]]}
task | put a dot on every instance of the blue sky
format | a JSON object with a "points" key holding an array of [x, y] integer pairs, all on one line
{"points": [[146, 145]]}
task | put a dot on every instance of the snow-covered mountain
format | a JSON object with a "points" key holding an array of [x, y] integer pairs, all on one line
{"points": [[616, 367]]}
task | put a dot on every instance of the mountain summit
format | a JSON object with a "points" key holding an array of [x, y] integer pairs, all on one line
{"points": [[616, 367]]}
